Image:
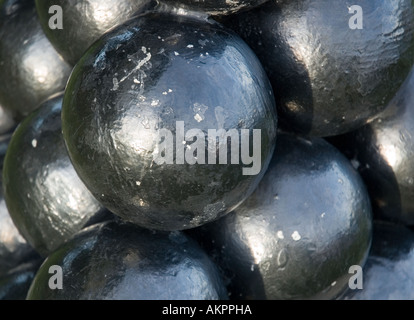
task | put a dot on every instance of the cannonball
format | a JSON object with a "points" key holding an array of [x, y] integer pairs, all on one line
{"points": [[143, 112], [46, 200], [30, 68], [120, 261], [72, 26], [334, 64], [298, 234]]}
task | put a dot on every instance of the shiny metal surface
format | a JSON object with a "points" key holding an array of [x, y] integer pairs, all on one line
{"points": [[7, 123], [307, 222], [119, 261], [14, 249], [145, 76], [329, 79], [388, 273], [16, 284], [46, 199], [30, 68], [212, 7], [383, 151], [84, 21]]}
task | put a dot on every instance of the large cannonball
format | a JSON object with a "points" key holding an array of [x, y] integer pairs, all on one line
{"points": [[330, 76], [30, 68], [144, 109], [45, 198], [298, 234], [120, 261], [73, 26]]}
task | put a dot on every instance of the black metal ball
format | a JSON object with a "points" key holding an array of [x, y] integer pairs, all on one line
{"points": [[30, 68], [45, 198], [297, 235], [83, 22], [328, 77], [388, 272], [163, 73], [120, 261]]}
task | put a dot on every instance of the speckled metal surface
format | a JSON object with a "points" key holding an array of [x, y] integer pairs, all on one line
{"points": [[145, 76], [46, 199], [388, 273], [120, 261], [30, 68], [383, 152], [329, 79], [16, 284], [13, 247], [212, 7], [296, 237], [85, 21]]}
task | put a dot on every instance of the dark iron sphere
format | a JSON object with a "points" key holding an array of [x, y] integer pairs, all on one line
{"points": [[30, 68], [45, 198], [329, 78], [163, 73], [120, 261], [297, 235]]}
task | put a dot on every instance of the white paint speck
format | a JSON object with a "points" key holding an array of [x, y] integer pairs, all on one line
{"points": [[280, 235], [184, 142], [103, 195], [323, 215], [137, 81], [165, 93], [34, 143], [190, 46], [252, 268], [138, 183], [155, 103], [170, 90], [176, 53], [116, 84], [333, 283], [296, 236], [198, 118]]}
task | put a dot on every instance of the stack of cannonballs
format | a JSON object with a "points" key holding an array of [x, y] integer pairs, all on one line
{"points": [[207, 149]]}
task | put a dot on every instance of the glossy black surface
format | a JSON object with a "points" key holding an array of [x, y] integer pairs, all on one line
{"points": [[46, 199], [84, 21], [212, 7], [383, 152], [119, 261], [329, 79], [30, 68], [388, 273], [14, 249], [145, 76], [307, 222], [16, 284]]}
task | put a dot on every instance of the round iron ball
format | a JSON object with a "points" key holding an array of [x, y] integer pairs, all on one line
{"points": [[121, 261], [78, 24], [138, 113], [31, 70], [46, 200], [297, 235], [329, 76]]}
